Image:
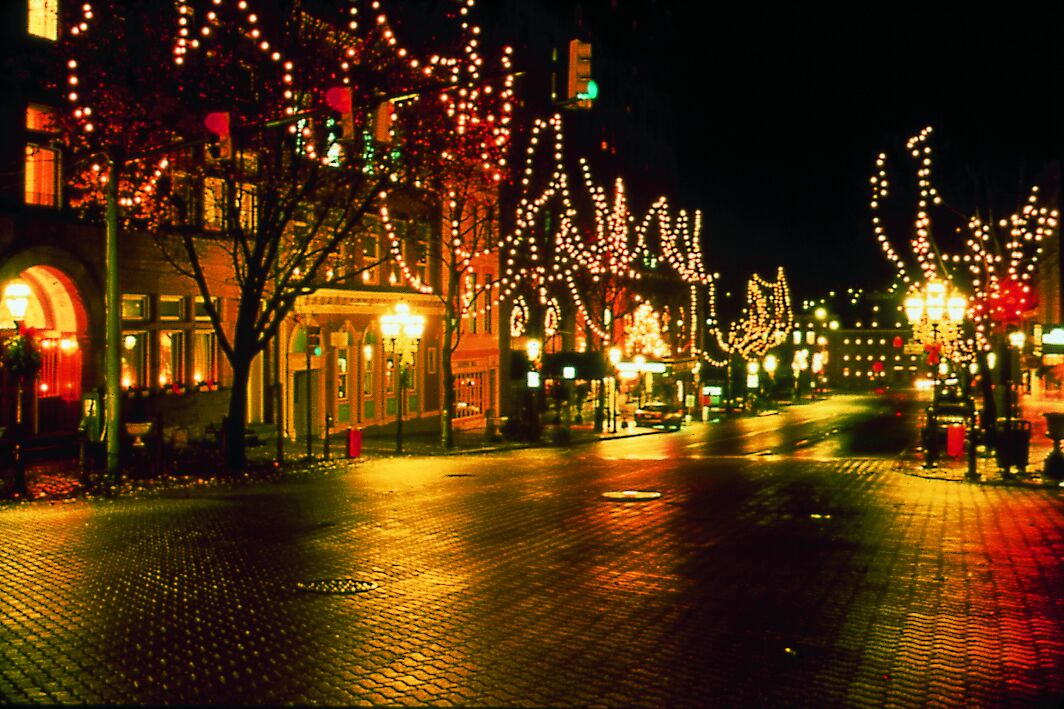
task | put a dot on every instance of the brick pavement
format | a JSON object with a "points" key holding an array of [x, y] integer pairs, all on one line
{"points": [[506, 580]]}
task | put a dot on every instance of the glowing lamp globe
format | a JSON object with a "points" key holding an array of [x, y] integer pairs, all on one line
{"points": [[17, 298]]}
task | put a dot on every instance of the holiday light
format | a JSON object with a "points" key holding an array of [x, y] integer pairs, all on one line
{"points": [[1001, 267]]}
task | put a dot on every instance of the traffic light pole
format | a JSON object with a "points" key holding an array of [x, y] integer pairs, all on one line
{"points": [[113, 325]]}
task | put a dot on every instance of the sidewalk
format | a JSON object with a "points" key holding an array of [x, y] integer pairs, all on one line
{"points": [[56, 480], [911, 461]]}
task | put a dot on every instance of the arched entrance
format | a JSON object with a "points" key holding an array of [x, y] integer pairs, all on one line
{"points": [[56, 314]]}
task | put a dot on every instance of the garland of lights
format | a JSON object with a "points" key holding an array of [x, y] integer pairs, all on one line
{"points": [[766, 320], [643, 333], [1001, 271], [463, 99], [519, 317]]}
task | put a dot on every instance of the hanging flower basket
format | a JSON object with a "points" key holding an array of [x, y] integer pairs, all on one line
{"points": [[21, 355]]}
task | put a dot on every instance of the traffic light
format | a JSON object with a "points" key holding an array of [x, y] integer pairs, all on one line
{"points": [[314, 340], [582, 89], [339, 100], [221, 146], [382, 122]]}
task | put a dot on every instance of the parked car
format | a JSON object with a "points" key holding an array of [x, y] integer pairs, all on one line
{"points": [[658, 413]]}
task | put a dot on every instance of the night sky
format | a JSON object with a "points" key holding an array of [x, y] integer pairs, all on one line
{"points": [[780, 113]]}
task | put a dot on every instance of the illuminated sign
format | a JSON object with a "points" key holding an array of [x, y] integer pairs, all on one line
{"points": [[568, 372], [713, 390], [751, 381], [533, 380], [1052, 339], [633, 368]]}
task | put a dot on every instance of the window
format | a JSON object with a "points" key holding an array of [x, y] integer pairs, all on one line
{"points": [[341, 373], [473, 304], [201, 308], [487, 303], [389, 377], [430, 363], [42, 176], [248, 207], [171, 307], [134, 307], [171, 357], [410, 373], [367, 370], [370, 256], [134, 360], [213, 203], [204, 359], [44, 19], [40, 119]]}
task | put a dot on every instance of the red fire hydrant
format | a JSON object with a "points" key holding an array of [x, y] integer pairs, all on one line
{"points": [[354, 442]]}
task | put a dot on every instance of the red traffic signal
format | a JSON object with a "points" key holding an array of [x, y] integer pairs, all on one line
{"points": [[218, 123], [340, 100]]}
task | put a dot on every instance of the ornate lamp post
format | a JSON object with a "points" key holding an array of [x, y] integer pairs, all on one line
{"points": [[936, 315], [404, 330], [533, 348], [17, 298]]}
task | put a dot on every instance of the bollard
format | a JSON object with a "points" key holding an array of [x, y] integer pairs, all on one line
{"points": [[354, 442]]}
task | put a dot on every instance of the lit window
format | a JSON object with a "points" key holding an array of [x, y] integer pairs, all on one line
{"points": [[40, 119], [134, 360], [42, 176], [134, 307], [248, 208], [341, 373], [204, 359], [171, 358], [430, 360], [370, 256], [367, 370], [213, 203], [44, 18]]}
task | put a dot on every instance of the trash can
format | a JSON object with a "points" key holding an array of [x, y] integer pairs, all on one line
{"points": [[1013, 443], [955, 440], [354, 442]]}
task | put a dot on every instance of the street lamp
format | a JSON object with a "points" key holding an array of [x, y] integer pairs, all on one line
{"points": [[770, 364], [639, 360], [533, 348], [404, 330], [936, 316], [17, 299]]}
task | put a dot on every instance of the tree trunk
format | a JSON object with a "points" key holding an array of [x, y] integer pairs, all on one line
{"points": [[447, 370], [236, 420]]}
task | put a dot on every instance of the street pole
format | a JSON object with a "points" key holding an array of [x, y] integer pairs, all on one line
{"points": [[113, 325], [399, 403], [310, 441], [20, 463]]}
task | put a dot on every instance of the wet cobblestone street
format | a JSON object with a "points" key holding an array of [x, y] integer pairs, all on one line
{"points": [[506, 579]]}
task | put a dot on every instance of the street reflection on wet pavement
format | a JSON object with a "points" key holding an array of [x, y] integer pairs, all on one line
{"points": [[752, 580]]}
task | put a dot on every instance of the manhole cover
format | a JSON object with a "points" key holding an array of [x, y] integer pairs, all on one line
{"points": [[337, 586], [631, 495]]}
